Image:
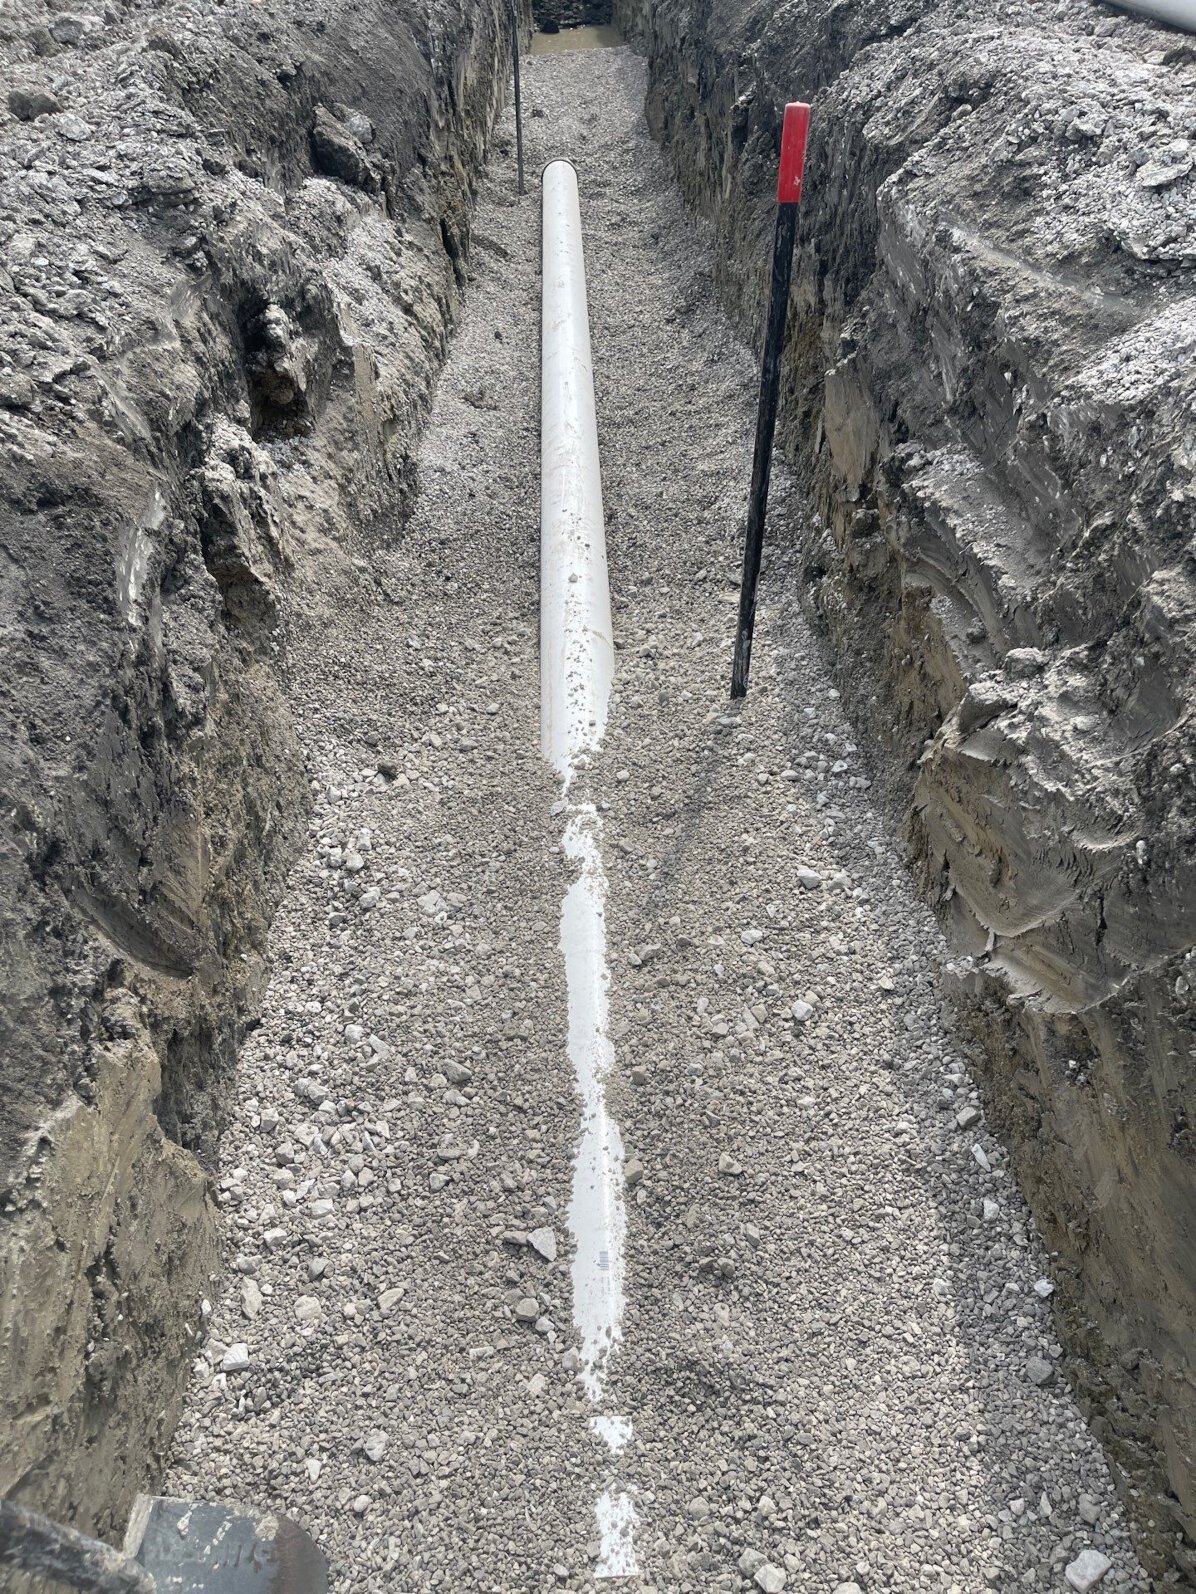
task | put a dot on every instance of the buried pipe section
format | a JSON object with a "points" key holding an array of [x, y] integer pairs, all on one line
{"points": [[1174, 13], [577, 656], [576, 670]]}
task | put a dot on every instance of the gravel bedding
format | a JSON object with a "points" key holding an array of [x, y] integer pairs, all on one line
{"points": [[836, 1359]]}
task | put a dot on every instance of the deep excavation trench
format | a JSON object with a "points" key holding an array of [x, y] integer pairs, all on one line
{"points": [[272, 786], [811, 1365]]}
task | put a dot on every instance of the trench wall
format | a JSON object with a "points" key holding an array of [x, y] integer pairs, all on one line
{"points": [[553, 15]]}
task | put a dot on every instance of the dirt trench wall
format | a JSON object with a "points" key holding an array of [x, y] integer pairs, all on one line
{"points": [[232, 237], [990, 387], [552, 15]]}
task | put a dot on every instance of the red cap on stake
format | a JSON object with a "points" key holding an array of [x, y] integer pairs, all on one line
{"points": [[794, 133]]}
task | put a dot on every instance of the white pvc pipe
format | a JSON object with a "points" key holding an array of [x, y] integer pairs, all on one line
{"points": [[576, 652], [576, 668], [1179, 13]]}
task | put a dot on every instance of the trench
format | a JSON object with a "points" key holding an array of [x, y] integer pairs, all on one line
{"points": [[836, 1306], [744, 1146]]}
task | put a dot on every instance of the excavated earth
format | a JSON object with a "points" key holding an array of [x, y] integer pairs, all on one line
{"points": [[255, 635]]}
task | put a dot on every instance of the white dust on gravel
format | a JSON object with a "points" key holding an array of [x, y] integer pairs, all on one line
{"points": [[838, 1347]]}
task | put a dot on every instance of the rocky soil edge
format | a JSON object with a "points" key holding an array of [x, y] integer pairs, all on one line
{"points": [[232, 237], [989, 387]]}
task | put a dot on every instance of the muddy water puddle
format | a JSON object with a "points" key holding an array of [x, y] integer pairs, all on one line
{"points": [[602, 37]]}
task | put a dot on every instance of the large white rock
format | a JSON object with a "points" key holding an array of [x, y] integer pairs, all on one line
{"points": [[1086, 1570]]}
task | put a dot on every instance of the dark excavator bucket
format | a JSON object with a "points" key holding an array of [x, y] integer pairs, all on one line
{"points": [[200, 1548]]}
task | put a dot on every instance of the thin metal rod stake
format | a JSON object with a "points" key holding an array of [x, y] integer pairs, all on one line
{"points": [[518, 99], [789, 183], [766, 425]]}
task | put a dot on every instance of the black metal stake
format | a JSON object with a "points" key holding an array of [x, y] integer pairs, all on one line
{"points": [[518, 102], [766, 422]]}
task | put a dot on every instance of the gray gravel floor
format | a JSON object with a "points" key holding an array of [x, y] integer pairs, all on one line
{"points": [[837, 1363]]}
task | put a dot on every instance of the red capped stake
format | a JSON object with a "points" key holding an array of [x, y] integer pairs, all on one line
{"points": [[794, 133]]}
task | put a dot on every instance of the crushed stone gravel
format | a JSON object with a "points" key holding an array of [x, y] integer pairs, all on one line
{"points": [[838, 1313]]}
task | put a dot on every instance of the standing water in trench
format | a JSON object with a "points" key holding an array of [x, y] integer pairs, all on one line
{"points": [[836, 1353]]}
